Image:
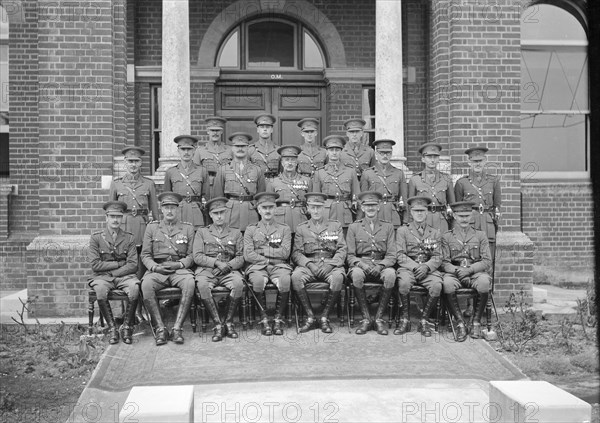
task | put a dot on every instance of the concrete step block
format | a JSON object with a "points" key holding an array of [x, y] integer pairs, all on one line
{"points": [[156, 404]]}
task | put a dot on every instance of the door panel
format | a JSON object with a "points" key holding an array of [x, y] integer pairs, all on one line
{"points": [[289, 104]]}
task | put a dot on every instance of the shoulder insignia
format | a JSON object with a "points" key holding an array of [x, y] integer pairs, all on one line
{"points": [[187, 223], [154, 222], [97, 233], [146, 177], [120, 178], [127, 232], [302, 224], [384, 221]]}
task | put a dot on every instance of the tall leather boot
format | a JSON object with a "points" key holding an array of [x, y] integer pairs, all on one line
{"points": [[424, 325], [264, 320], [184, 307], [365, 323], [332, 299], [384, 300], [482, 299], [130, 312], [160, 334], [404, 325], [209, 304], [113, 333], [282, 301], [310, 315], [234, 304], [461, 329]]}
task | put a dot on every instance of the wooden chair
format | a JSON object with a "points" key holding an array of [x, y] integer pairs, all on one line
{"points": [[472, 293], [323, 289], [422, 293], [369, 286], [173, 293], [113, 295], [270, 286]]}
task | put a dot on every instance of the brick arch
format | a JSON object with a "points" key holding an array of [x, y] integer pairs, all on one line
{"points": [[300, 10], [577, 8]]}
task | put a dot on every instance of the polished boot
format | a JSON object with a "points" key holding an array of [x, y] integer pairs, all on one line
{"points": [[139, 316], [384, 300], [209, 304], [184, 307], [469, 309], [424, 325], [234, 304], [454, 308], [404, 325], [113, 333], [482, 299], [365, 323], [281, 304], [309, 323], [264, 320], [332, 300], [130, 313], [161, 333]]}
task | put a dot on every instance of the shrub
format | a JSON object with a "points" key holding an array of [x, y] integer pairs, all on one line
{"points": [[587, 361], [552, 365], [522, 325]]}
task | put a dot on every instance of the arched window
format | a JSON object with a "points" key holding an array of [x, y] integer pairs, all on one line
{"points": [[554, 94], [270, 44], [4, 118]]}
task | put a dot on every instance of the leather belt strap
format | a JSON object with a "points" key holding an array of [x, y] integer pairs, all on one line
{"points": [[462, 262], [434, 209], [346, 197], [165, 259], [373, 255], [194, 198], [135, 212], [321, 254], [482, 209], [390, 198], [291, 203], [240, 198]]}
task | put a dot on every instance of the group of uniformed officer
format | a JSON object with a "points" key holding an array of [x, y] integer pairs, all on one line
{"points": [[291, 216]]}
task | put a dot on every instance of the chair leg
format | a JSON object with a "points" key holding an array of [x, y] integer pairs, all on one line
{"points": [[203, 316], [352, 302], [488, 313], [288, 310], [193, 314], [244, 310], [341, 307], [91, 315], [391, 309]]}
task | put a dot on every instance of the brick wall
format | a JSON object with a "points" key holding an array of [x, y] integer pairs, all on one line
{"points": [[559, 220]]}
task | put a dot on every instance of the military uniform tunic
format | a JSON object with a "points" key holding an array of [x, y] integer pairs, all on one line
{"points": [[211, 246], [228, 183], [440, 190], [311, 159], [291, 206], [469, 248], [192, 184], [340, 184], [321, 243], [114, 263], [164, 243], [267, 251], [391, 183], [212, 157], [373, 247], [360, 159], [140, 196], [416, 248], [485, 193], [265, 156]]}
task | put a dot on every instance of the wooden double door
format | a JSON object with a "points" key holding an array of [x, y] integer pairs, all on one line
{"points": [[240, 103]]}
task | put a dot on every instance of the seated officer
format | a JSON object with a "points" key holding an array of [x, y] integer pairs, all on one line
{"points": [[167, 254], [319, 252], [267, 246], [219, 254], [371, 257], [419, 257], [466, 259], [114, 261]]}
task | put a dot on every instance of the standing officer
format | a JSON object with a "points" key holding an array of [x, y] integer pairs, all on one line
{"points": [[319, 253], [338, 181], [167, 254], [436, 185], [357, 155], [466, 261], [138, 192], [219, 254], [291, 187], [312, 157], [188, 180], [484, 190], [419, 257], [214, 153], [114, 261], [263, 153], [371, 257], [388, 181], [267, 246], [239, 181]]}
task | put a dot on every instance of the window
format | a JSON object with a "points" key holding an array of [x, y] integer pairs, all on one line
{"points": [[368, 100], [155, 119], [554, 94], [270, 44], [4, 130]]}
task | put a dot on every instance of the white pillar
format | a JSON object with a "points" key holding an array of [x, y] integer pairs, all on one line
{"points": [[175, 110], [389, 109]]}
